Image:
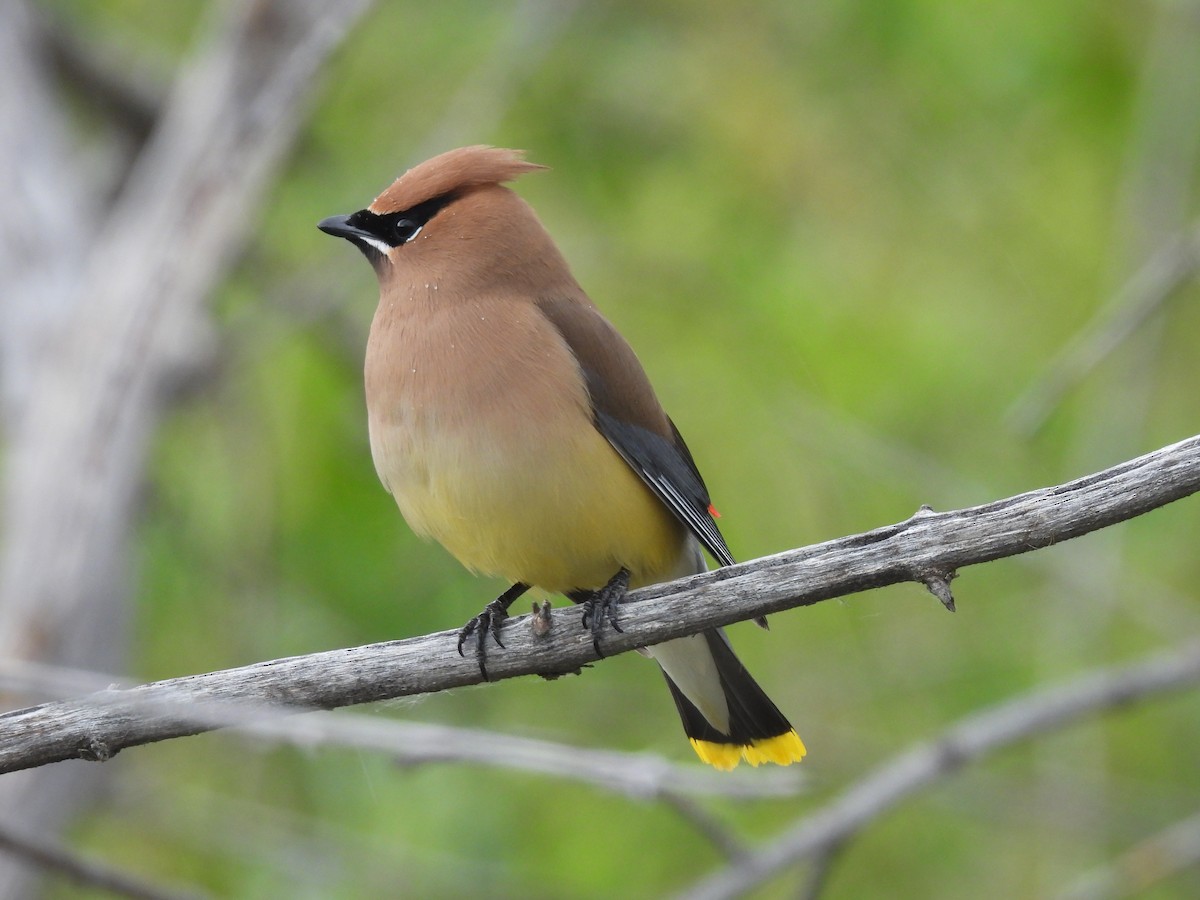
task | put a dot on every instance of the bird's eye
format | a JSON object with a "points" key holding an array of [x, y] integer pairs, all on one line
{"points": [[398, 228], [404, 230]]}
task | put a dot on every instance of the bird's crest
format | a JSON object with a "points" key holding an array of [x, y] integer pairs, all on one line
{"points": [[453, 170]]}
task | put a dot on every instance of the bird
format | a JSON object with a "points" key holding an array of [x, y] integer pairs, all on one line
{"points": [[514, 425]]}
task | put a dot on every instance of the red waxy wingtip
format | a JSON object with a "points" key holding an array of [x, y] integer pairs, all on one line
{"points": [[713, 511]]}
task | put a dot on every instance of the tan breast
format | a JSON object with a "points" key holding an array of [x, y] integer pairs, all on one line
{"points": [[481, 428]]}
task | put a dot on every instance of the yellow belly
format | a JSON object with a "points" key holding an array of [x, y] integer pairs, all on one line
{"points": [[558, 511]]}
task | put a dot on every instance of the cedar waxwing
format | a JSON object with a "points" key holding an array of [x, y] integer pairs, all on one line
{"points": [[513, 423]]}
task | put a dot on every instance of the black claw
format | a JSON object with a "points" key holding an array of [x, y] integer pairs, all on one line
{"points": [[602, 606], [465, 632], [488, 622]]}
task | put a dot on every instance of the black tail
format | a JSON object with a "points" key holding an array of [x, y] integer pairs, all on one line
{"points": [[757, 732]]}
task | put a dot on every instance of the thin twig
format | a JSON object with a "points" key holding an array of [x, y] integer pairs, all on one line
{"points": [[705, 823], [1156, 282], [480, 102], [820, 868], [87, 872], [975, 736], [1155, 859]]}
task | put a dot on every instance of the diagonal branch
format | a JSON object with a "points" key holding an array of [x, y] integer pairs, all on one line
{"points": [[1171, 268], [1150, 861], [929, 547], [83, 871]]}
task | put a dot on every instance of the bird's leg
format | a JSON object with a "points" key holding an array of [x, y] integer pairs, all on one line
{"points": [[601, 606], [489, 622]]}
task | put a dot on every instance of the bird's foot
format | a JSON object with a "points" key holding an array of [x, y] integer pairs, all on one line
{"points": [[488, 622], [601, 606]]}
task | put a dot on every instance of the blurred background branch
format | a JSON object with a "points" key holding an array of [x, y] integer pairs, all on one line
{"points": [[1170, 267], [1153, 860], [83, 873], [637, 776], [981, 733]]}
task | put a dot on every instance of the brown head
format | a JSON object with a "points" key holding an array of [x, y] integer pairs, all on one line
{"points": [[451, 220]]}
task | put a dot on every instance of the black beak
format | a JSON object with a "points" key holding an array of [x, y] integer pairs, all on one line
{"points": [[371, 245], [339, 226]]}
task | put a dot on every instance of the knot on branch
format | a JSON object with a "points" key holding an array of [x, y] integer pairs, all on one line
{"points": [[542, 620], [937, 581], [96, 750]]}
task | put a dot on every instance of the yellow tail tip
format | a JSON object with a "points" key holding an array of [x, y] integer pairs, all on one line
{"points": [[783, 750]]}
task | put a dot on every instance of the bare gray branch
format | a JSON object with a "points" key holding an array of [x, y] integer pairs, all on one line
{"points": [[98, 726]]}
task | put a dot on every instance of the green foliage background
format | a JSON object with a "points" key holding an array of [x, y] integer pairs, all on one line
{"points": [[844, 238]]}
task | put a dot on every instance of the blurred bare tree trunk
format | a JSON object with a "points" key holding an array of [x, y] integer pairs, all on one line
{"points": [[104, 310]]}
